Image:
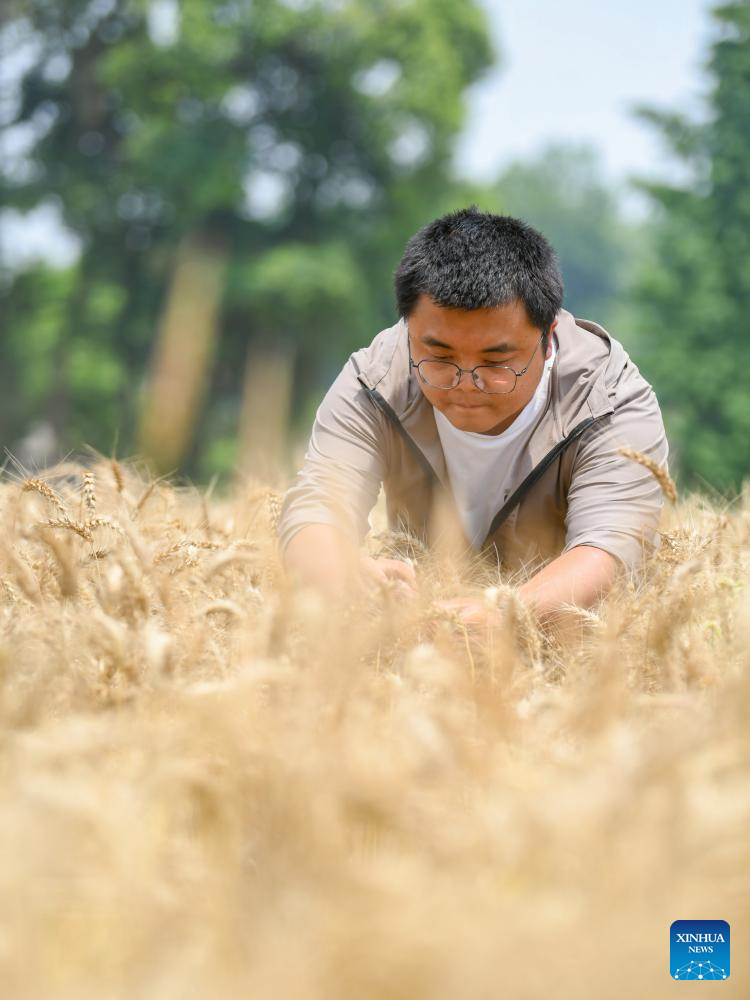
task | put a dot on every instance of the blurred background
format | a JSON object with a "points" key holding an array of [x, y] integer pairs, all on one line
{"points": [[203, 203]]}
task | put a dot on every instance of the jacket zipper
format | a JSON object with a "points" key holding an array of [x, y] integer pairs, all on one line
{"points": [[519, 493], [536, 473], [388, 410]]}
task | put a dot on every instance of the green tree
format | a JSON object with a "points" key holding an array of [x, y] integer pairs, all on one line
{"points": [[693, 290], [300, 140]]}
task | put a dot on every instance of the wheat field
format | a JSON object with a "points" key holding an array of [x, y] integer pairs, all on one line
{"points": [[214, 787]]}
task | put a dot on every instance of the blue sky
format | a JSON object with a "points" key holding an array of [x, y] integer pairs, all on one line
{"points": [[572, 69]]}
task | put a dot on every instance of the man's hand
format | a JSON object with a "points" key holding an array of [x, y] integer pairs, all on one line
{"points": [[390, 573], [320, 556], [476, 612]]}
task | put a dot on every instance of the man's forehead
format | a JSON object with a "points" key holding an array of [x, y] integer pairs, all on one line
{"points": [[508, 324], [491, 343], [484, 334]]}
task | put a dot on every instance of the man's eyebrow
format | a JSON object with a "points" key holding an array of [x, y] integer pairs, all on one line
{"points": [[503, 348]]}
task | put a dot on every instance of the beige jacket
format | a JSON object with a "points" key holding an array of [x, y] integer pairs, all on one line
{"points": [[569, 486]]}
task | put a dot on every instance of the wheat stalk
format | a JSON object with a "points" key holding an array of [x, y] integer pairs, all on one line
{"points": [[256, 733], [117, 475]]}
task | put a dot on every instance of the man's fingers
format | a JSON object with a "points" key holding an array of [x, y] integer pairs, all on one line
{"points": [[395, 568], [376, 573], [391, 572], [470, 610]]}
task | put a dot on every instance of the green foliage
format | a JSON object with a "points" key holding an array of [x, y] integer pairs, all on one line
{"points": [[345, 112], [693, 288], [298, 289]]}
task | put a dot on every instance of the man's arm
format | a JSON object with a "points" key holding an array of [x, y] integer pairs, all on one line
{"points": [[325, 512], [613, 502], [614, 505], [318, 555], [580, 576]]}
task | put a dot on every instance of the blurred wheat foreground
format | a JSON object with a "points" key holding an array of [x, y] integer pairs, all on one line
{"points": [[214, 787]]}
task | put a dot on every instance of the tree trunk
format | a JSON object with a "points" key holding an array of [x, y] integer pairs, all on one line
{"points": [[264, 419], [185, 345]]}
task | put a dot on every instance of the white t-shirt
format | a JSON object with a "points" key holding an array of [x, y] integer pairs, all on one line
{"points": [[480, 465]]}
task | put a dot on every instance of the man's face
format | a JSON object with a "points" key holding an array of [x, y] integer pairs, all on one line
{"points": [[501, 335]]}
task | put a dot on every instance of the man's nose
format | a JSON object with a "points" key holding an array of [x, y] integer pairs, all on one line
{"points": [[469, 380]]}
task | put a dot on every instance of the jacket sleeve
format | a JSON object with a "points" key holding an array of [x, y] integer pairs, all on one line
{"points": [[614, 502], [344, 465]]}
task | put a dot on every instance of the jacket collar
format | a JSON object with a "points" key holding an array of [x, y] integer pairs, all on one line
{"points": [[587, 363]]}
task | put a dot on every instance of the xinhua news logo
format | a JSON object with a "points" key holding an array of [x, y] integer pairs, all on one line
{"points": [[699, 949]]}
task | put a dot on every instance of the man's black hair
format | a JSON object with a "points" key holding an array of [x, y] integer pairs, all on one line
{"points": [[470, 259]]}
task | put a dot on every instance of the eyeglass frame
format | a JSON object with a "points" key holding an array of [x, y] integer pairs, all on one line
{"points": [[468, 371]]}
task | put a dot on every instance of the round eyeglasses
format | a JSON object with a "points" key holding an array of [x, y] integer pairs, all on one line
{"points": [[494, 379]]}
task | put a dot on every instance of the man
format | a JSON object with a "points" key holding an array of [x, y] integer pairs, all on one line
{"points": [[490, 399]]}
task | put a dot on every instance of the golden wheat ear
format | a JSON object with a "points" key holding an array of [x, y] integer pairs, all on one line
{"points": [[660, 474], [39, 486]]}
